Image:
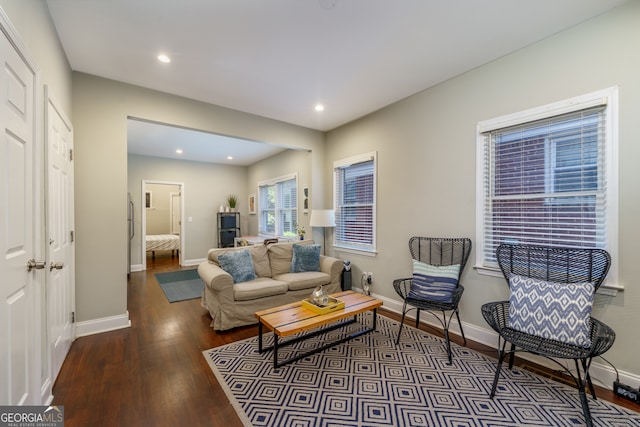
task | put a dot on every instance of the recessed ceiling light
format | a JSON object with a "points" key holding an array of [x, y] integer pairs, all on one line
{"points": [[179, 151], [229, 158], [164, 58], [319, 107]]}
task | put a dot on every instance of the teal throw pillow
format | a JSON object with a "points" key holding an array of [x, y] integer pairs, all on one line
{"points": [[305, 258], [434, 283], [238, 264]]}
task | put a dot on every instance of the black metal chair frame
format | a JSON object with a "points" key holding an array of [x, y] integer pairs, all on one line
{"points": [[560, 265], [440, 252]]}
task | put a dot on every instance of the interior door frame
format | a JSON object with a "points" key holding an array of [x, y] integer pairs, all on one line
{"points": [[143, 225], [171, 209]]}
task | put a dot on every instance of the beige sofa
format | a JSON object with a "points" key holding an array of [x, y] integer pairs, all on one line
{"points": [[231, 305]]}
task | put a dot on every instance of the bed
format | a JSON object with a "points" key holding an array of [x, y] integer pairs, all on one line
{"points": [[163, 242]]}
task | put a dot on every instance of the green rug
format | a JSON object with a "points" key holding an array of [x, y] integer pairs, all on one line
{"points": [[181, 285]]}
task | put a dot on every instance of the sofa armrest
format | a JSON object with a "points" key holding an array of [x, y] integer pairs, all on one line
{"points": [[214, 277], [332, 266]]}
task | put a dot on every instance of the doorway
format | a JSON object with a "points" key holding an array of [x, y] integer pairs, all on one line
{"points": [[163, 231]]}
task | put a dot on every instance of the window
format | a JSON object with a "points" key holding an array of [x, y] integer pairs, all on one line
{"points": [[355, 202], [547, 177], [278, 206]]}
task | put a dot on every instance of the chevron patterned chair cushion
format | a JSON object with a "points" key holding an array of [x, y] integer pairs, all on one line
{"points": [[557, 311], [433, 283]]}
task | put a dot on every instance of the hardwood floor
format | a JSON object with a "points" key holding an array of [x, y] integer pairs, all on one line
{"points": [[154, 374]]}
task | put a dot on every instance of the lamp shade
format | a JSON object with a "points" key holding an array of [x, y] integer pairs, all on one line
{"points": [[322, 218]]}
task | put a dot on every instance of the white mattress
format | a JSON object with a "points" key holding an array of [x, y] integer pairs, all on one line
{"points": [[163, 242]]}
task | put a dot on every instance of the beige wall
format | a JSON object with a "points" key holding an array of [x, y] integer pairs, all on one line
{"points": [[158, 220], [101, 108], [427, 164], [206, 187], [285, 163], [426, 146], [33, 22]]}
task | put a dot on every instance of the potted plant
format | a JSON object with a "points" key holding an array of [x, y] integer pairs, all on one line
{"points": [[232, 200], [301, 231]]}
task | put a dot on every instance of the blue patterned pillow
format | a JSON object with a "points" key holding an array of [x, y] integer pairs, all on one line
{"points": [[555, 311], [238, 264], [305, 258], [433, 283]]}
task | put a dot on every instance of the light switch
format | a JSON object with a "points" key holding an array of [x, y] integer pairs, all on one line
{"points": [[190, 219]]}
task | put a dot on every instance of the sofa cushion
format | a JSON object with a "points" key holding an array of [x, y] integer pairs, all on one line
{"points": [[557, 311], [306, 280], [258, 288], [239, 265], [305, 258], [280, 255], [258, 255], [433, 283]]}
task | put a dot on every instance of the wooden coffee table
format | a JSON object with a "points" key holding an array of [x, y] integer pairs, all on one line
{"points": [[292, 318]]}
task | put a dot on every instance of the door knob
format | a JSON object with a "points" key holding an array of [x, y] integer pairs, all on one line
{"points": [[38, 265], [56, 265]]}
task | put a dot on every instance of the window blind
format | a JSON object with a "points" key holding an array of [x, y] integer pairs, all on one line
{"points": [[267, 209], [287, 207], [278, 202], [354, 196], [545, 183]]}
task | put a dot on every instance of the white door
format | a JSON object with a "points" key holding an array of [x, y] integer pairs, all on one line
{"points": [[60, 249], [20, 289]]}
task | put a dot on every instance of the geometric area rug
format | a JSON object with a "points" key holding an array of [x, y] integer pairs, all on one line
{"points": [[181, 285], [368, 381]]}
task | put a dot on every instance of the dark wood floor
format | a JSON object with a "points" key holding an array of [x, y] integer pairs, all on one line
{"points": [[154, 374]]}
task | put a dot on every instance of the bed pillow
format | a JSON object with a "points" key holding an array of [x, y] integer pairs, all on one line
{"points": [[433, 283], [556, 311], [305, 258], [238, 264]]}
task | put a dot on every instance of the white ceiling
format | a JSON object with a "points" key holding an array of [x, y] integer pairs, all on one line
{"points": [[159, 140], [278, 58]]}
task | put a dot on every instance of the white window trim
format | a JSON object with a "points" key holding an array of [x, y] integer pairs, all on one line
{"points": [[607, 96], [349, 161]]}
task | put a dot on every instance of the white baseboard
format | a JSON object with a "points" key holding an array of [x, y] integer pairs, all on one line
{"points": [[602, 374], [104, 324], [185, 263], [189, 262]]}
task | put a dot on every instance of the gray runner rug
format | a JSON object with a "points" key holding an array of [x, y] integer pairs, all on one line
{"points": [[180, 285]]}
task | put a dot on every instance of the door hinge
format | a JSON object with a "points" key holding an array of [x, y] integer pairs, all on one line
{"points": [[71, 236], [73, 317], [71, 154]]}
